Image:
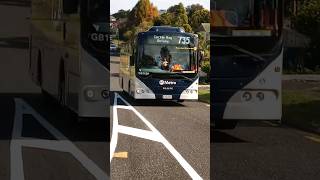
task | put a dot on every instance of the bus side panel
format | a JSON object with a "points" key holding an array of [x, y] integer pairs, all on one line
{"points": [[124, 73], [34, 53], [46, 37], [270, 108], [94, 77], [72, 61]]}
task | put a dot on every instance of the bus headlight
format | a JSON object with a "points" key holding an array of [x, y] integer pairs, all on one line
{"points": [[140, 91], [105, 94], [90, 93], [247, 96], [260, 96]]}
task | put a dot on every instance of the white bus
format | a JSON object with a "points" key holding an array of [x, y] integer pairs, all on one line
{"points": [[247, 55], [69, 53], [162, 64]]}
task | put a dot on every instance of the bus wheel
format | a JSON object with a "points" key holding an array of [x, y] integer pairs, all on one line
{"points": [[225, 124]]}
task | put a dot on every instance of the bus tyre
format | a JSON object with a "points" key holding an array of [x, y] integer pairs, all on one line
{"points": [[225, 124]]}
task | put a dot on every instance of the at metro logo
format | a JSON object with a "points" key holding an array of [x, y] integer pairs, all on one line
{"points": [[165, 82]]}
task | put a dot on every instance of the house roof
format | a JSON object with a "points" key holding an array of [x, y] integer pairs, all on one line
{"points": [[204, 27]]}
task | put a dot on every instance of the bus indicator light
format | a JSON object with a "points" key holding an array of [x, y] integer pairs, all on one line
{"points": [[247, 96], [90, 93], [105, 94], [260, 96]]}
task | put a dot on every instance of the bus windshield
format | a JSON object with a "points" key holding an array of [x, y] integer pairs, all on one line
{"points": [[168, 54], [95, 28], [246, 14], [97, 10], [168, 59]]}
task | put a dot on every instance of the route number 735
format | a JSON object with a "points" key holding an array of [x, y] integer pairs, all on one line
{"points": [[184, 40]]}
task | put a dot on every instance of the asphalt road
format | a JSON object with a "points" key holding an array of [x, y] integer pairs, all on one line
{"points": [[38, 139], [162, 140], [264, 151]]}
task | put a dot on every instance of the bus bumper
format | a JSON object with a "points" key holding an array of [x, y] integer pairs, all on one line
{"points": [[246, 111]]}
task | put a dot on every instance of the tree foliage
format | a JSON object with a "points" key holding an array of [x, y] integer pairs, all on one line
{"points": [[198, 17], [121, 14], [142, 11], [193, 8], [175, 16], [307, 21]]}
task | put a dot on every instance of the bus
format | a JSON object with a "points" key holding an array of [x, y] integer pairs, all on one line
{"points": [[246, 59], [161, 63], [69, 53]]}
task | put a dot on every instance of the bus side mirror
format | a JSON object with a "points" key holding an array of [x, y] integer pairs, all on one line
{"points": [[131, 61], [70, 6]]}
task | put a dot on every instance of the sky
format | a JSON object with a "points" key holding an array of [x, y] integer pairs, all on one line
{"points": [[116, 5]]}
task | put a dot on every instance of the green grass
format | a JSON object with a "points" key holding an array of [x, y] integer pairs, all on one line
{"points": [[204, 95], [301, 108]]}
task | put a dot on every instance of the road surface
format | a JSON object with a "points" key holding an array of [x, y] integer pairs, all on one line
{"points": [[163, 140], [37, 139]]}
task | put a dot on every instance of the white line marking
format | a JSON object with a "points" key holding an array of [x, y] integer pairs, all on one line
{"points": [[62, 144], [187, 167], [114, 137], [139, 133]]}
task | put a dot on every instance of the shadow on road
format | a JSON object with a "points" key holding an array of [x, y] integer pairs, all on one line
{"points": [[92, 130], [155, 103], [222, 137]]}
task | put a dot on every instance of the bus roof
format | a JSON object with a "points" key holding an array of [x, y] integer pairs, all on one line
{"points": [[165, 29]]}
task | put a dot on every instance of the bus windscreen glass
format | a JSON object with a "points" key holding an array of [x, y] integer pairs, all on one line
{"points": [[247, 15], [168, 54], [95, 28]]}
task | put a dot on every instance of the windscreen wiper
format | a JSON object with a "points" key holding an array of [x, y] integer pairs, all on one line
{"points": [[244, 51]]}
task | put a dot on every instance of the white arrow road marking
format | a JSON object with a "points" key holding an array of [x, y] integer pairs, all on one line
{"points": [[62, 144], [153, 135]]}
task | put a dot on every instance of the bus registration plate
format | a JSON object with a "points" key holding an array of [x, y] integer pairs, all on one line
{"points": [[166, 96]]}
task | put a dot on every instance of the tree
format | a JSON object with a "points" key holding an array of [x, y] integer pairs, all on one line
{"points": [[307, 21], [177, 9], [192, 9], [140, 18], [142, 11], [175, 16], [121, 14], [198, 17], [187, 27], [164, 19]]}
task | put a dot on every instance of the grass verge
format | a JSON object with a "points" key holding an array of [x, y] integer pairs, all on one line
{"points": [[204, 95], [302, 109]]}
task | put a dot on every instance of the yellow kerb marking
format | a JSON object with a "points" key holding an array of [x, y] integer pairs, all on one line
{"points": [[120, 155], [315, 139]]}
